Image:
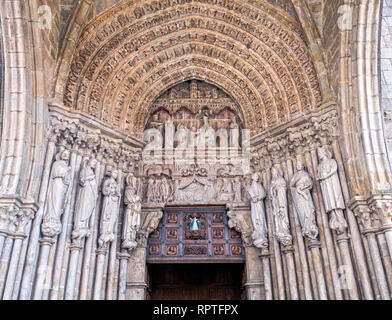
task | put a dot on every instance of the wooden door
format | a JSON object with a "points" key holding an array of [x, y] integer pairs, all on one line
{"points": [[195, 281]]}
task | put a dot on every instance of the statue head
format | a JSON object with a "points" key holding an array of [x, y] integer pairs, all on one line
{"points": [[114, 174], [92, 163], [276, 172], [300, 165], [255, 177], [65, 154], [324, 153]]}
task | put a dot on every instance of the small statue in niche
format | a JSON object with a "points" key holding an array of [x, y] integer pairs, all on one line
{"points": [[86, 201], [150, 190], [132, 219], [166, 191], [234, 134], [110, 209], [257, 195], [327, 174], [278, 197], [226, 192], [237, 186], [58, 189], [301, 184]]}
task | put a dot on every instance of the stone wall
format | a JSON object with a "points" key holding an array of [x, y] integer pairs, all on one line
{"points": [[331, 40], [386, 69]]}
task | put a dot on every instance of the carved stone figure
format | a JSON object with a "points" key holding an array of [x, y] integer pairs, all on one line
{"points": [[150, 190], [206, 134], [166, 191], [58, 187], [327, 173], [257, 194], [237, 186], [278, 197], [301, 184], [238, 222], [110, 209], [226, 192], [86, 201], [132, 220], [234, 134]]}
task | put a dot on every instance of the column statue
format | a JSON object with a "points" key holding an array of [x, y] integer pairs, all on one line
{"points": [[327, 174], [301, 184], [278, 197], [110, 209], [257, 195], [57, 193], [86, 200], [132, 219]]}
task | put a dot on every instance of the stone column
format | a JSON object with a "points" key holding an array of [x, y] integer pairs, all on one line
{"points": [[314, 246], [254, 274], [72, 270], [23, 219], [136, 285], [32, 252], [124, 257], [265, 259]]}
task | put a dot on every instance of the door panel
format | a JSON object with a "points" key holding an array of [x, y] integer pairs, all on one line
{"points": [[195, 281]]}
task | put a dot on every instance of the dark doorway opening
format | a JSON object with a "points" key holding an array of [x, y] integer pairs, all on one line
{"points": [[196, 281]]}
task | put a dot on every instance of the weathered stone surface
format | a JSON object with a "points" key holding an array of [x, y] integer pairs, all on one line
{"points": [[84, 79]]}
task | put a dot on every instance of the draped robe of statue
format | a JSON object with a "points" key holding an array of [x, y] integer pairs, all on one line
{"points": [[86, 201], [60, 181], [132, 220], [327, 173], [165, 191], [257, 194], [278, 197], [237, 186], [301, 184], [110, 210]]}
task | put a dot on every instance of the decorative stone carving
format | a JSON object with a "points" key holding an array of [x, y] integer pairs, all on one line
{"points": [[166, 191], [159, 190], [257, 195], [327, 174], [110, 209], [266, 35], [226, 191], [56, 199], [301, 184], [237, 187], [150, 223], [86, 200], [132, 219], [238, 222], [278, 197]]}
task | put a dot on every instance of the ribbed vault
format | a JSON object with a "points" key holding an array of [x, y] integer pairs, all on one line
{"points": [[129, 55]]}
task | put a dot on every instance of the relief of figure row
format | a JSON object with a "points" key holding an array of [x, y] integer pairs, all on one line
{"points": [[301, 185], [222, 189]]}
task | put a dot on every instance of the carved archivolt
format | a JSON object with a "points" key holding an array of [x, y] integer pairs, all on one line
{"points": [[127, 57]]}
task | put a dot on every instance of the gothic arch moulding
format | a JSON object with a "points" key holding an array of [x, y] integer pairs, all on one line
{"points": [[129, 55]]}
